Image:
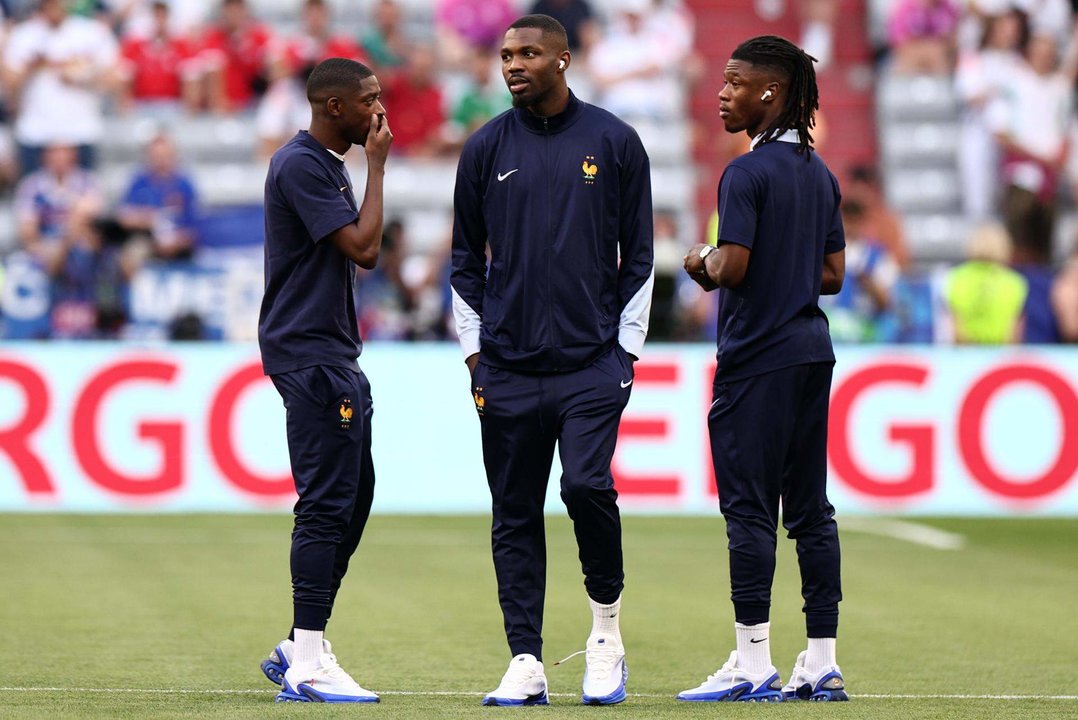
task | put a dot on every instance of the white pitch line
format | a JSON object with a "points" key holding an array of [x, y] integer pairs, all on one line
{"points": [[476, 694], [915, 533]]}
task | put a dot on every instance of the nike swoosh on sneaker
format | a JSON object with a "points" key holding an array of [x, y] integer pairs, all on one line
{"points": [[502, 176], [626, 384]]}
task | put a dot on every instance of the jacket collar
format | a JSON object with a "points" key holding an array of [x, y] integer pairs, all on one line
{"points": [[554, 123]]}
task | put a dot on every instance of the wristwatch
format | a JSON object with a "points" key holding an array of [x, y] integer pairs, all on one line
{"points": [[706, 250]]}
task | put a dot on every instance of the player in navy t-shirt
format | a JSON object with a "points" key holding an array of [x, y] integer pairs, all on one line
{"points": [[315, 236], [780, 245]]}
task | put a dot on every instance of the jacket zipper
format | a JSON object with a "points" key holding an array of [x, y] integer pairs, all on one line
{"points": [[550, 252]]}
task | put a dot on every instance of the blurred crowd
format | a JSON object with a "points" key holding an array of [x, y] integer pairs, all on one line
{"points": [[83, 258], [1014, 66], [67, 66]]}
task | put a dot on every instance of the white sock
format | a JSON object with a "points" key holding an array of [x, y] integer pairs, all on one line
{"points": [[821, 654], [308, 649], [753, 647], [604, 618]]}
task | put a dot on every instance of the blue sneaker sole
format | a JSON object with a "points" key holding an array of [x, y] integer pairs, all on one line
{"points": [[729, 697], [489, 701], [613, 698], [273, 672], [307, 694]]}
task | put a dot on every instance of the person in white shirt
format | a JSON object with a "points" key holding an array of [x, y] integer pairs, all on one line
{"points": [[57, 69], [1031, 117]]}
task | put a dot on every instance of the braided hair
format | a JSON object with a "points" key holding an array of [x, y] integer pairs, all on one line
{"points": [[802, 96]]}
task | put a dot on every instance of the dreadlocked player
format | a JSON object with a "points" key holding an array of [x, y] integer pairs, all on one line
{"points": [[780, 245]]}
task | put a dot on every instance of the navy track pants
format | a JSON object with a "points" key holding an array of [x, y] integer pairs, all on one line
{"points": [[769, 446], [328, 418], [523, 416]]}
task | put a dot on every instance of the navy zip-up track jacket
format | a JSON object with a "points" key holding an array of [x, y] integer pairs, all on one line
{"points": [[557, 200]]}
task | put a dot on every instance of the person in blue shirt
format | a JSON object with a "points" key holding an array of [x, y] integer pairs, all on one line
{"points": [[161, 202], [780, 245], [558, 190], [316, 234]]}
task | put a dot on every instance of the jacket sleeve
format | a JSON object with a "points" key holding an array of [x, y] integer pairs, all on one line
{"points": [[469, 258], [636, 273]]}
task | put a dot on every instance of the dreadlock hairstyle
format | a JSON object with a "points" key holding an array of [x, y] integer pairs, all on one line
{"points": [[802, 96]]}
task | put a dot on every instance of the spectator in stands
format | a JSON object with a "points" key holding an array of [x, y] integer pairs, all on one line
{"points": [[384, 39], [1031, 117], [418, 116], [160, 70], [1065, 299], [983, 295], [161, 205], [58, 69], [465, 24], [284, 109], [980, 78], [135, 18], [628, 67], [861, 310], [921, 34], [481, 97], [879, 222], [818, 30], [384, 301], [54, 202], [56, 208], [234, 56], [577, 17], [669, 256], [1039, 323]]}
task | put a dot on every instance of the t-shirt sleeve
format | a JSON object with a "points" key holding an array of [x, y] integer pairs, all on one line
{"points": [[321, 204], [836, 233], [738, 207]]}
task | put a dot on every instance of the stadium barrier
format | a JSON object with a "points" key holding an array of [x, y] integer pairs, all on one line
{"points": [[196, 427]]}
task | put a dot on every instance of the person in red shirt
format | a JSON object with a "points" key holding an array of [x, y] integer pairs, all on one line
{"points": [[159, 69], [284, 108], [418, 115], [234, 53], [316, 42]]}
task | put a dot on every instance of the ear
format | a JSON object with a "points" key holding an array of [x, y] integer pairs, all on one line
{"points": [[563, 61], [770, 93]]}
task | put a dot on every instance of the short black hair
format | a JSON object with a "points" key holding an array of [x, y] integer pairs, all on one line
{"points": [[548, 25], [802, 95], [333, 76]]}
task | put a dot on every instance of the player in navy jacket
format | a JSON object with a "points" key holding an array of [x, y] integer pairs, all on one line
{"points": [[558, 191], [780, 245]]}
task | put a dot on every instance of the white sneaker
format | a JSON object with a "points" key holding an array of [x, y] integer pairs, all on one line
{"points": [[825, 685], [524, 683], [605, 671], [328, 683], [731, 683], [276, 665]]}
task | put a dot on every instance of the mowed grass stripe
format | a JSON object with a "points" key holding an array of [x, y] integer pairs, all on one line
{"points": [[169, 616]]}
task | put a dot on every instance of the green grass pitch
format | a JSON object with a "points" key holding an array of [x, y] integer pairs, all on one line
{"points": [[168, 616]]}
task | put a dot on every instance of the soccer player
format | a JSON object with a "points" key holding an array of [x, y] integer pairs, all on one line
{"points": [[556, 189], [780, 245], [315, 236]]}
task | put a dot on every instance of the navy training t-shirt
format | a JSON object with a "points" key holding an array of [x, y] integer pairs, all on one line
{"points": [[308, 312], [784, 207]]}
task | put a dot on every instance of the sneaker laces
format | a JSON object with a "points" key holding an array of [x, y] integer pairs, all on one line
{"points": [[334, 671], [600, 660], [729, 666]]}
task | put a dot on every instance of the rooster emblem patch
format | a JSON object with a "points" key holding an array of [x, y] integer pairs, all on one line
{"points": [[346, 413], [590, 170]]}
